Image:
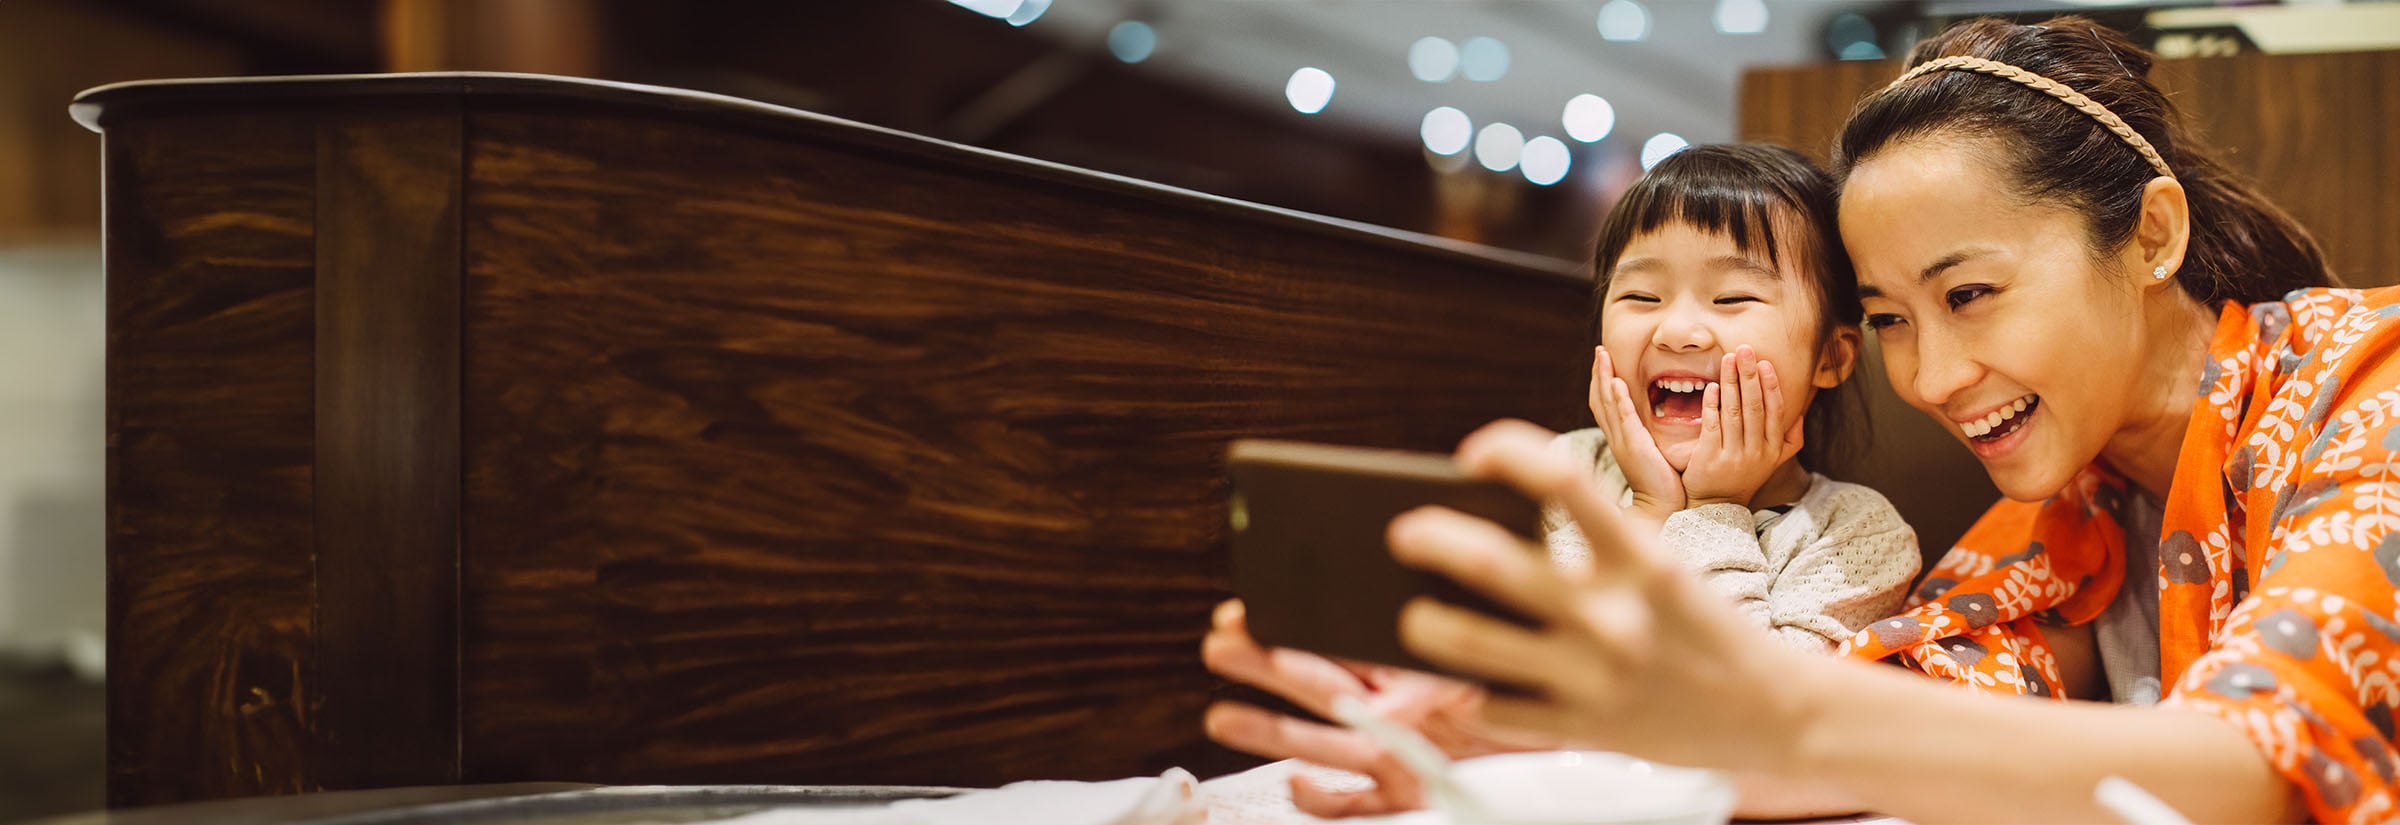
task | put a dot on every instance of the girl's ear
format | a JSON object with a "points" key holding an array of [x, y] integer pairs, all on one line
{"points": [[1837, 358]]}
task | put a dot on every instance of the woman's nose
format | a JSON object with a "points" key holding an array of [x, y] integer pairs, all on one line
{"points": [[1945, 365]]}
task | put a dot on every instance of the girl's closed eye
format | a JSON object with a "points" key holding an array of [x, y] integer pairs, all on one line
{"points": [[1638, 297], [1728, 300]]}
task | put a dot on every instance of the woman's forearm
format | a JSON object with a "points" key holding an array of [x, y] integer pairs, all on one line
{"points": [[1929, 752], [1760, 796]]}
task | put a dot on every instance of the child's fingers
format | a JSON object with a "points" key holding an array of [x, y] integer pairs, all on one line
{"points": [[1712, 418], [1772, 389], [1729, 412], [1629, 417], [1601, 375], [1754, 412]]}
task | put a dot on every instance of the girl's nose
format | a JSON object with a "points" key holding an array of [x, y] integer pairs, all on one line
{"points": [[1683, 333]]}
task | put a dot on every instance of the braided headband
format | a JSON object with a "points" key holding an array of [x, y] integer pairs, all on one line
{"points": [[2049, 87]]}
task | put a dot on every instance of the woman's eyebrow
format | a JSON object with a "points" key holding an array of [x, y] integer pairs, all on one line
{"points": [[1932, 270]]}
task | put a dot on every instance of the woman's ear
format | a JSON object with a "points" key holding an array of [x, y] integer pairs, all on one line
{"points": [[2162, 234], [1837, 358]]}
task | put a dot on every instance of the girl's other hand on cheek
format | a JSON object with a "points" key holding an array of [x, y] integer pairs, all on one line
{"points": [[1742, 439]]}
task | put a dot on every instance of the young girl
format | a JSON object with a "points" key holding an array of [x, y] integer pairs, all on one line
{"points": [[1724, 306]]}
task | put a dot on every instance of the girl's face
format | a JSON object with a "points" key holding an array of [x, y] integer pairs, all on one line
{"points": [[1680, 298], [1993, 317]]}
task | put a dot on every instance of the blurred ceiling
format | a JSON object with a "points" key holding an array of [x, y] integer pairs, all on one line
{"points": [[1681, 77], [1206, 105]]}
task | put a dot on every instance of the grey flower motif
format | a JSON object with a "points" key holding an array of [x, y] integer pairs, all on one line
{"points": [[2030, 551], [2035, 685], [2380, 715], [2183, 559], [2382, 625], [1934, 587], [2387, 556], [2288, 362], [2297, 501], [1897, 631], [2273, 318], [1979, 609], [1966, 651], [2323, 406], [2289, 632], [2106, 498], [2336, 785], [2316, 446], [2391, 438], [2244, 468], [2378, 756], [2274, 563], [2239, 681], [2209, 376]]}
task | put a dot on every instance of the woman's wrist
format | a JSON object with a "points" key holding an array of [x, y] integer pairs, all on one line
{"points": [[1810, 722]]}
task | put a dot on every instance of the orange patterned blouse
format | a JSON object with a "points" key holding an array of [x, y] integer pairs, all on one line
{"points": [[2278, 563]]}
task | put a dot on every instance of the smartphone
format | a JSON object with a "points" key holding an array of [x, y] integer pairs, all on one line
{"points": [[1309, 559]]}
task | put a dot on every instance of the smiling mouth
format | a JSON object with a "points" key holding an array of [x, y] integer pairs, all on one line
{"points": [[2001, 423], [1677, 399]]}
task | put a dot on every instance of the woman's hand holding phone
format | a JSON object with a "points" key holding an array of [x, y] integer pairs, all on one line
{"points": [[1444, 710], [1633, 654]]}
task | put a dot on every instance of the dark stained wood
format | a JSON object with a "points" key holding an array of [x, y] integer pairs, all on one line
{"points": [[387, 465], [793, 450], [211, 325], [2320, 133]]}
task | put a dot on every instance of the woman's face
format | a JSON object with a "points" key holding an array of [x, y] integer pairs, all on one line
{"points": [[1993, 317], [1680, 298]]}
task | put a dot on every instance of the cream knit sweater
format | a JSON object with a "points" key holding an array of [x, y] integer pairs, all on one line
{"points": [[1811, 574]]}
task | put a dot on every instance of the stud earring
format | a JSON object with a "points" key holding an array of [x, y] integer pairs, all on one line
{"points": [[2160, 273]]}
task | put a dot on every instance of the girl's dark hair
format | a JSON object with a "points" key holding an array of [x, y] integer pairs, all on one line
{"points": [[2242, 247], [1747, 191]]}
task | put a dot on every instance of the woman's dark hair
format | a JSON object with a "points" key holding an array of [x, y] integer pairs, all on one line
{"points": [[2242, 247], [1748, 191]]}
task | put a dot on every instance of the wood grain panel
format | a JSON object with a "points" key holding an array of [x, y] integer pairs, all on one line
{"points": [[387, 471], [211, 688], [2320, 133], [812, 464], [767, 448]]}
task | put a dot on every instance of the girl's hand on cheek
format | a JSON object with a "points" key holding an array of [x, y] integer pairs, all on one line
{"points": [[1658, 491], [1742, 441]]}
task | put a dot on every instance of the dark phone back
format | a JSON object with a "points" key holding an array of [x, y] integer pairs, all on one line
{"points": [[1309, 559]]}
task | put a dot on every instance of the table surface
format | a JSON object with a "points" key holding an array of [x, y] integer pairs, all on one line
{"points": [[1261, 796]]}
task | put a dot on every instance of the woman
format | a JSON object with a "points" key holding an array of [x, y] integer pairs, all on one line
{"points": [[2052, 267]]}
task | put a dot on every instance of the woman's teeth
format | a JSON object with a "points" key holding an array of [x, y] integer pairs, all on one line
{"points": [[1677, 385], [1985, 425]]}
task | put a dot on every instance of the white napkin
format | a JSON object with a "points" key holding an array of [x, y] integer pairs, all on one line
{"points": [[1171, 798]]}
